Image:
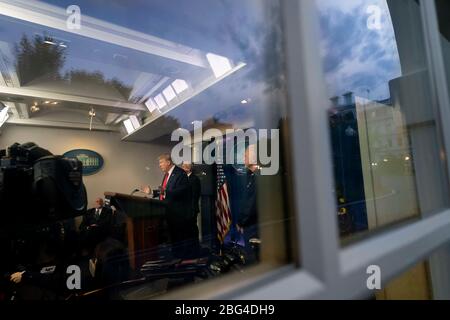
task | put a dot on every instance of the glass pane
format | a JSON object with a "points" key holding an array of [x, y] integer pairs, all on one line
{"points": [[386, 152], [114, 87], [443, 10]]}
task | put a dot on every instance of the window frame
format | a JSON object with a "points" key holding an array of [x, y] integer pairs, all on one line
{"points": [[326, 269]]}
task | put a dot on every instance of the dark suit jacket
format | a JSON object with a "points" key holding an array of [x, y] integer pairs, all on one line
{"points": [[104, 222], [178, 197], [248, 214], [195, 185]]}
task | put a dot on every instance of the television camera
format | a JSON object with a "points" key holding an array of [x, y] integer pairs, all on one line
{"points": [[38, 191]]}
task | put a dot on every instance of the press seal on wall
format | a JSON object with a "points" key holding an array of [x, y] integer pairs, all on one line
{"points": [[92, 161]]}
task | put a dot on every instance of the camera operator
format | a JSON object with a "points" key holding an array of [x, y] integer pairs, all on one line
{"points": [[43, 278], [40, 195]]}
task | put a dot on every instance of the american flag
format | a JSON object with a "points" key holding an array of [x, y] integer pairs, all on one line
{"points": [[223, 212]]}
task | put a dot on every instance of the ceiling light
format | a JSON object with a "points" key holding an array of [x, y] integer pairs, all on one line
{"points": [[159, 99], [49, 42], [169, 93], [128, 126], [46, 102], [4, 115], [91, 115], [407, 158], [54, 102], [34, 108], [180, 85], [135, 121], [151, 105], [244, 101], [219, 65]]}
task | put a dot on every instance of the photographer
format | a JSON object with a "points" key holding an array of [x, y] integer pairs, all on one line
{"points": [[40, 194]]}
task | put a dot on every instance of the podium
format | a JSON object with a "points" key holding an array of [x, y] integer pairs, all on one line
{"points": [[144, 223]]}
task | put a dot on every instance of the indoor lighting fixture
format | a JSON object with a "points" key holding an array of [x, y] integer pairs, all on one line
{"points": [[132, 124], [47, 102], [92, 115], [128, 126], [151, 105], [4, 115], [55, 102], [169, 94], [407, 158], [180, 85], [159, 99], [50, 42], [135, 122], [219, 65], [34, 108]]}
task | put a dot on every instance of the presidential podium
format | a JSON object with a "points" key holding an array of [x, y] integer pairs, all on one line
{"points": [[144, 224]]}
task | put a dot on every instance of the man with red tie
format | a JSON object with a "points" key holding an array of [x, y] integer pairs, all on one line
{"points": [[175, 192]]}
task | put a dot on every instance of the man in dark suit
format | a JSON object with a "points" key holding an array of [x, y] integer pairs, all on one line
{"points": [[247, 223], [195, 186], [96, 225], [175, 192]]}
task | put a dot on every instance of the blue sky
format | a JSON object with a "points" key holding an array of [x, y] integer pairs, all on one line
{"points": [[356, 58]]}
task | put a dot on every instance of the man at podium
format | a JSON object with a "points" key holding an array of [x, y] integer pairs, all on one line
{"points": [[175, 192]]}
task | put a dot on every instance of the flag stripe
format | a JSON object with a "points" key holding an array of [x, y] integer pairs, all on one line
{"points": [[223, 212]]}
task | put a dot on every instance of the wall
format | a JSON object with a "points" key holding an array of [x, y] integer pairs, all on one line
{"points": [[125, 162], [389, 183]]}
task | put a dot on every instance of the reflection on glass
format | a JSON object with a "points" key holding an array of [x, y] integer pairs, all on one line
{"points": [[381, 115], [136, 74], [443, 11]]}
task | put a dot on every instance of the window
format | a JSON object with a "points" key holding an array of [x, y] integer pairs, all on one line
{"points": [[162, 77], [375, 63]]}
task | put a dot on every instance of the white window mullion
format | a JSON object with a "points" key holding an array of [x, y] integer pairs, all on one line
{"points": [[309, 137]]}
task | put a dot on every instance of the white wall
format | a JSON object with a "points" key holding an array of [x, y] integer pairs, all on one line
{"points": [[125, 162]]}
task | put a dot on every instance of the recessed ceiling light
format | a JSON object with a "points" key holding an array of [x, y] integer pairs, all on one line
{"points": [[55, 102], [244, 101], [46, 102], [34, 108]]}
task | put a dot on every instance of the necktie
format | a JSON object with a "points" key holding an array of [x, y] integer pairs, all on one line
{"points": [[97, 213], [163, 189]]}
